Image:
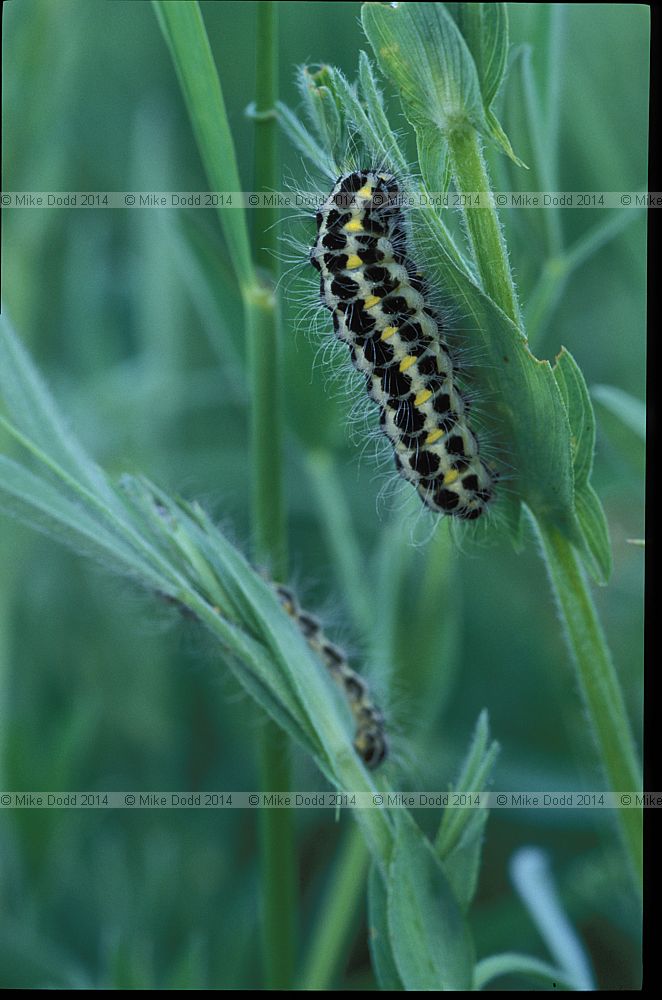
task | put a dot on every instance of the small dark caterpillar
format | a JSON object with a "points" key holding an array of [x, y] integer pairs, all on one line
{"points": [[369, 738], [377, 297]]}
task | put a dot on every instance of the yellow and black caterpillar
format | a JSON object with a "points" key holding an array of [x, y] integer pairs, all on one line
{"points": [[369, 737], [377, 298]]}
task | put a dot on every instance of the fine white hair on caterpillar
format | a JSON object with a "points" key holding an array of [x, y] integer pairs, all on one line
{"points": [[370, 733], [381, 308]]}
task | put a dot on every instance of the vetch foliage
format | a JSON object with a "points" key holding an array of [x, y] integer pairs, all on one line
{"points": [[447, 63], [173, 549], [424, 53]]}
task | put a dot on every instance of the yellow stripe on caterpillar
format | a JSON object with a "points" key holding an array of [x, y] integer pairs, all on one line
{"points": [[375, 290]]}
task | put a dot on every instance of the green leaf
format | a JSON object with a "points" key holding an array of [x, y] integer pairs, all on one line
{"points": [[38, 502], [525, 406], [460, 836], [447, 61], [184, 31], [369, 110], [30, 408], [429, 937], [462, 866], [592, 525], [301, 138], [484, 27], [372, 100], [149, 547], [433, 160], [532, 877], [512, 964], [383, 962], [372, 137], [366, 122], [580, 412], [317, 91], [423, 52], [173, 548], [529, 425], [35, 422], [421, 49], [540, 427], [265, 636], [496, 131], [595, 534]]}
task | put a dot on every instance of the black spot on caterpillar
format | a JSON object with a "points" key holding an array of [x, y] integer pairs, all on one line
{"points": [[378, 299], [369, 737]]}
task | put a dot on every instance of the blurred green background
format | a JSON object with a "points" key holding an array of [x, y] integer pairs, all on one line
{"points": [[134, 321]]}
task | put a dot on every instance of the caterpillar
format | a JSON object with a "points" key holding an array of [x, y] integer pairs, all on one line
{"points": [[369, 737], [378, 300]]}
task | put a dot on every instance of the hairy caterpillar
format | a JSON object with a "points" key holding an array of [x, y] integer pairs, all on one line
{"points": [[377, 298], [369, 737]]}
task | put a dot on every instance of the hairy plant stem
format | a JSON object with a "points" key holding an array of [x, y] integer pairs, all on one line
{"points": [[598, 682], [268, 510], [483, 226], [597, 678]]}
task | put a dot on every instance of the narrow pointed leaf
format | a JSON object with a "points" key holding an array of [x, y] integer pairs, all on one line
{"points": [[592, 524], [429, 937], [383, 962]]}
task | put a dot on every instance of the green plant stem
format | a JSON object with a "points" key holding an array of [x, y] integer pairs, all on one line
{"points": [[262, 313], [266, 429], [267, 175], [278, 863], [277, 833], [185, 34], [483, 226], [338, 912], [595, 671], [598, 682]]}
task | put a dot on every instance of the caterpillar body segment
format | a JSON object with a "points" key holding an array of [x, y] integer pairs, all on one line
{"points": [[379, 302], [369, 736]]}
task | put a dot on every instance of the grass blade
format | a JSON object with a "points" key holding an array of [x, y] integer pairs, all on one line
{"points": [[184, 31]]}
